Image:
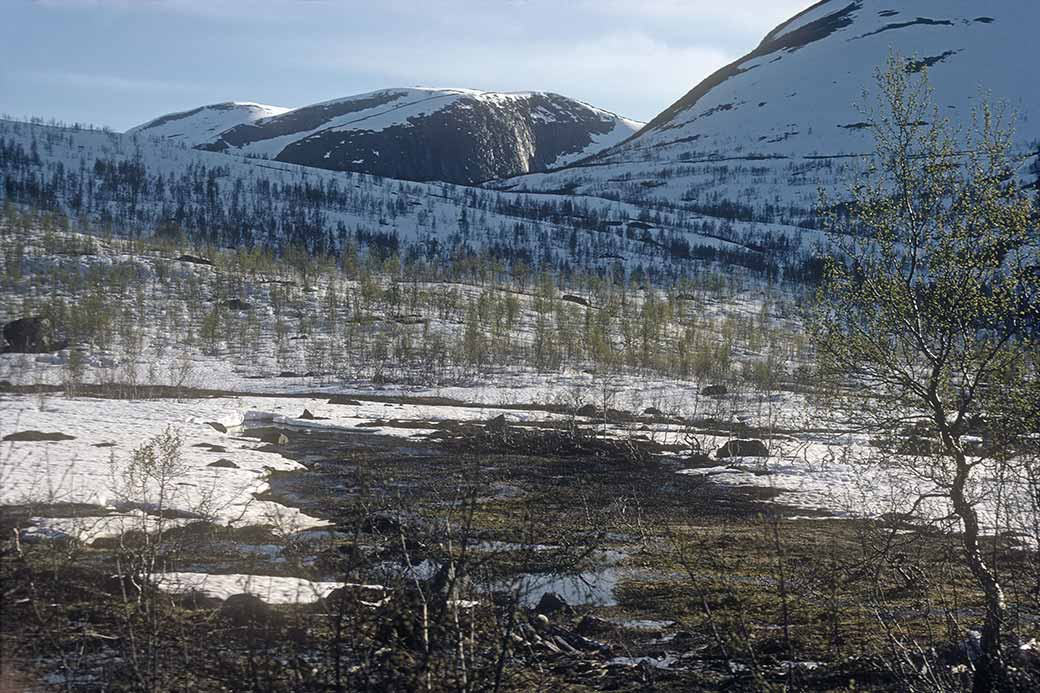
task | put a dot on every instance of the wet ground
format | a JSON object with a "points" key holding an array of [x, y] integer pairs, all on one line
{"points": [[622, 573], [575, 532]]}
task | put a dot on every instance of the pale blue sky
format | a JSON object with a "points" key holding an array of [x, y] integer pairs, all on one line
{"points": [[122, 62]]}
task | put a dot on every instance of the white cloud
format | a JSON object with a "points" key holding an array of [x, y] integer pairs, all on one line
{"points": [[633, 67], [634, 57]]}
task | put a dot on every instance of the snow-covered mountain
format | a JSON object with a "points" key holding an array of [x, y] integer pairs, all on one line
{"points": [[762, 133], [730, 173], [454, 135], [201, 125]]}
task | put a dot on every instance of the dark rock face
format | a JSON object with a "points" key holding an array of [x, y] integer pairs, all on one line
{"points": [[743, 448], [469, 140], [714, 390], [32, 335]]}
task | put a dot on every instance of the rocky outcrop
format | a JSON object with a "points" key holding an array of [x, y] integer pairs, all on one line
{"points": [[32, 335]]}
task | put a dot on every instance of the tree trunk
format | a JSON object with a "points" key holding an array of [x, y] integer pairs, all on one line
{"points": [[990, 668]]}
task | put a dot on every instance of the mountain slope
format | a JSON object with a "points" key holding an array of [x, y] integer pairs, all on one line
{"points": [[452, 135], [201, 125], [137, 186], [795, 93], [784, 118]]}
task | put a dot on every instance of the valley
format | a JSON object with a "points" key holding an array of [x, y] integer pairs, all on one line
{"points": [[431, 389]]}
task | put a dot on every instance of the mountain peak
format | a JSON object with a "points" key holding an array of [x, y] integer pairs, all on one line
{"points": [[415, 133]]}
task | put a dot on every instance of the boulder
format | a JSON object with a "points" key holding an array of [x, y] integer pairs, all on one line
{"points": [[223, 464], [236, 304], [350, 595], [743, 448], [551, 603], [32, 335], [714, 390], [592, 625], [246, 610], [652, 411], [307, 415], [217, 426], [346, 401], [570, 298], [496, 424], [195, 260], [274, 437], [588, 410]]}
